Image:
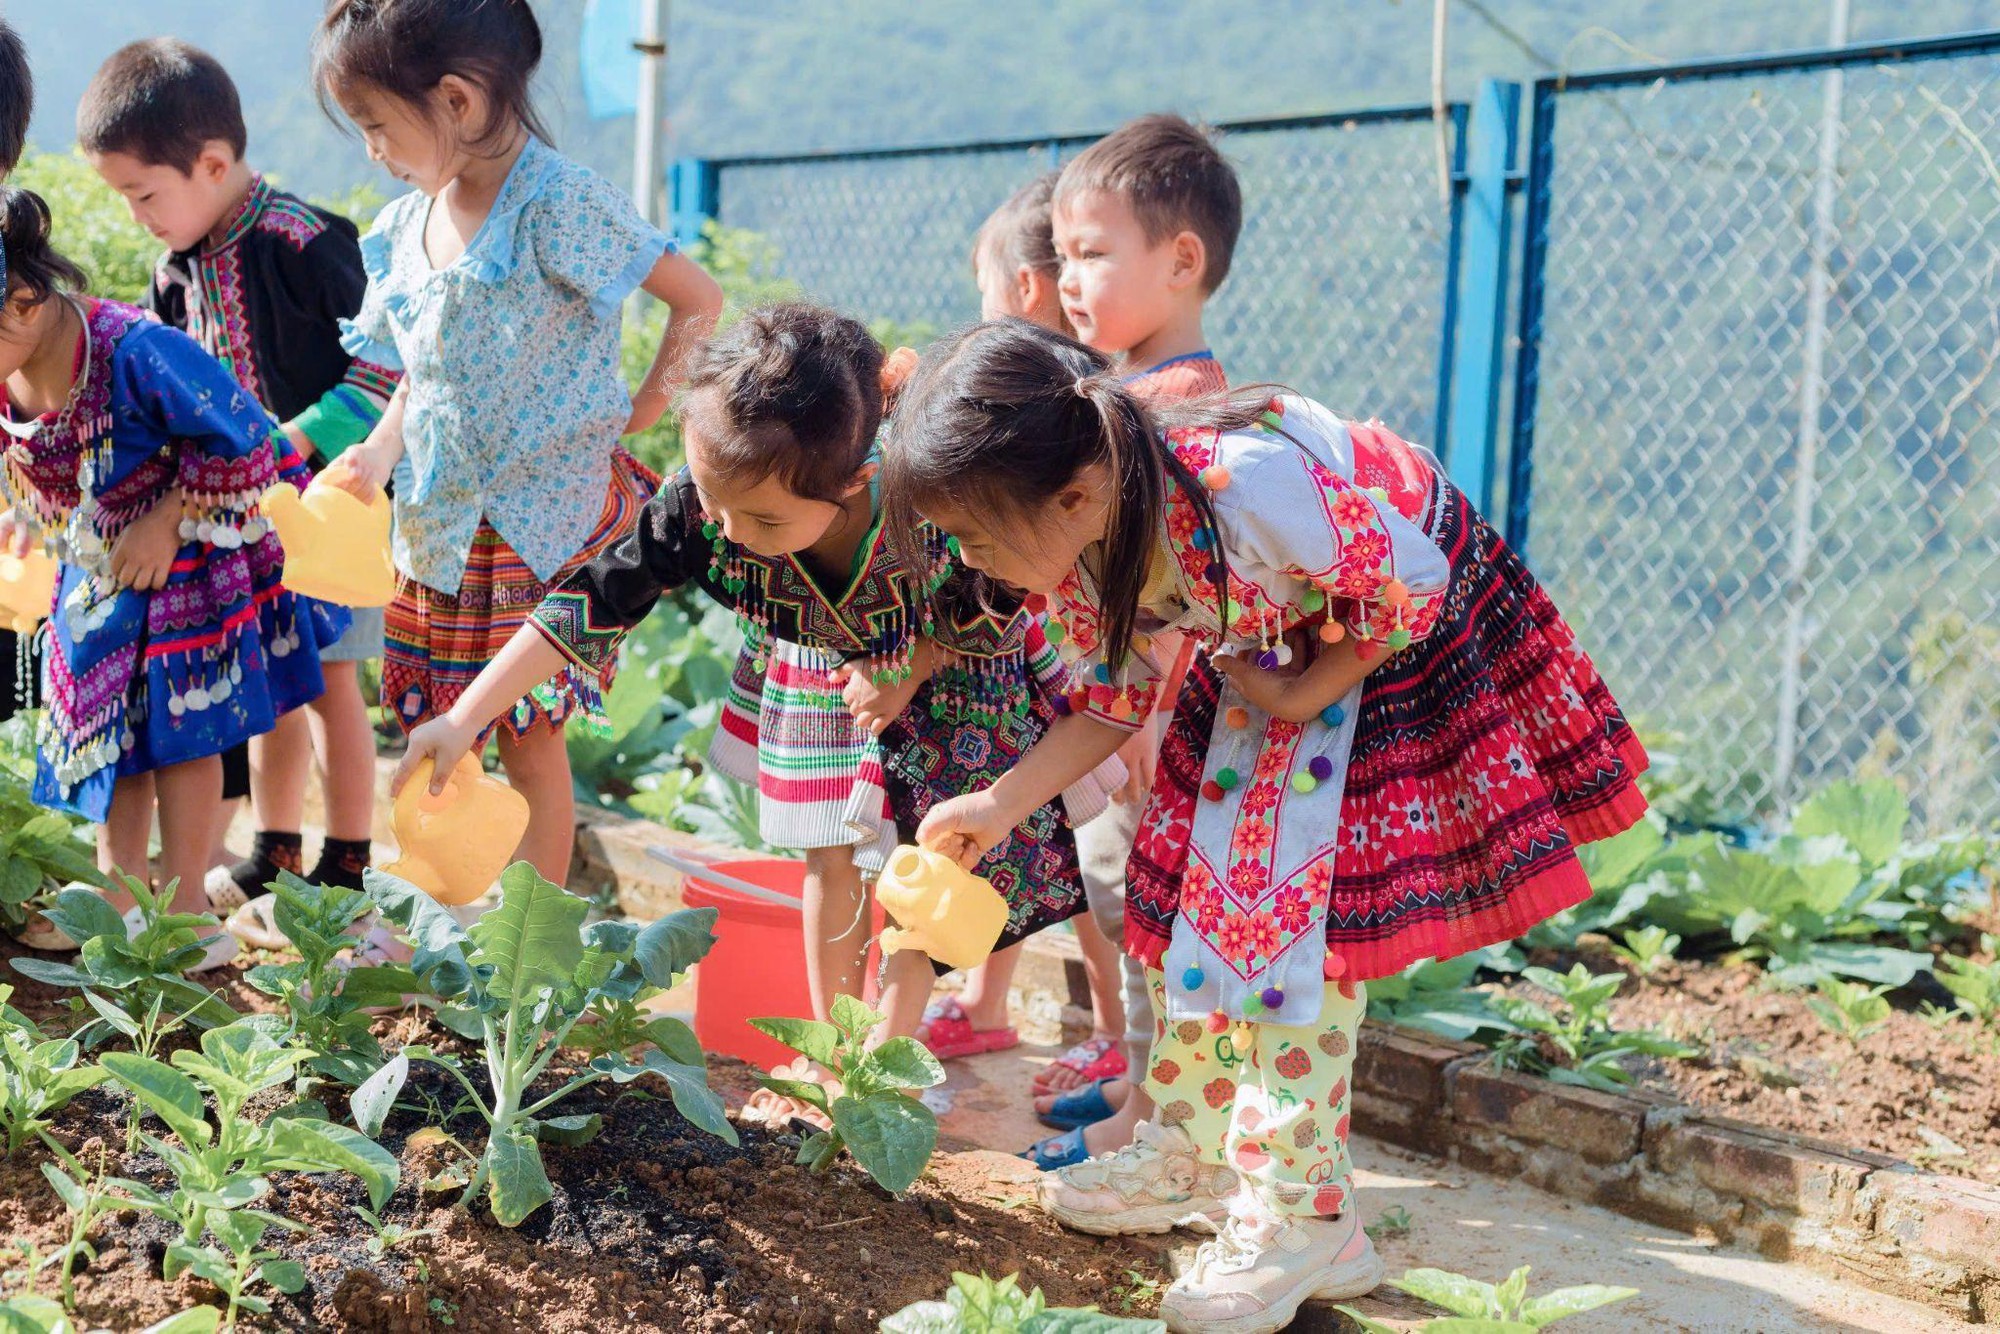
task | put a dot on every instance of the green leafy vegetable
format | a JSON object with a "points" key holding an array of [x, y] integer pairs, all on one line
{"points": [[985, 1305], [38, 1077], [1489, 1308], [1578, 1046], [520, 981], [134, 973], [889, 1133]]}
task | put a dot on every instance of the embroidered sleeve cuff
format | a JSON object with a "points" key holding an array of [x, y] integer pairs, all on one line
{"points": [[565, 620]]}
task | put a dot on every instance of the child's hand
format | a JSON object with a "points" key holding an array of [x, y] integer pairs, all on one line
{"points": [[143, 555], [443, 741], [966, 828], [874, 706], [364, 470], [17, 535], [648, 406], [1141, 755]]}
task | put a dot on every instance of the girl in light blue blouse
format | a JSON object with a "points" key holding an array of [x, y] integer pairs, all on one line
{"points": [[495, 286]]}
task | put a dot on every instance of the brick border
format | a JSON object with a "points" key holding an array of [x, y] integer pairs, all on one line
{"points": [[1862, 1216]]}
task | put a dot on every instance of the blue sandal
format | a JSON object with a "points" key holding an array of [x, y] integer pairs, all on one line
{"points": [[1058, 1151], [1078, 1107]]}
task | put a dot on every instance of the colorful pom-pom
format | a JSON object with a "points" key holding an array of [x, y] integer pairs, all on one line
{"points": [[1333, 715], [1192, 979], [1268, 660], [1054, 632], [1364, 649], [1104, 672], [1303, 783], [1320, 768], [1036, 603], [1102, 695], [1335, 969], [1238, 717], [1396, 593], [1079, 700], [1399, 639], [1332, 632], [1272, 418], [1311, 600], [1061, 706], [1212, 790], [1215, 477], [1273, 998], [1218, 1023], [1203, 539], [1227, 778], [710, 529], [1253, 1005]]}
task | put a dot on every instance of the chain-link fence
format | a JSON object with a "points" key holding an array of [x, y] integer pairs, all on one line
{"points": [[1756, 413], [1765, 463], [1338, 284]]}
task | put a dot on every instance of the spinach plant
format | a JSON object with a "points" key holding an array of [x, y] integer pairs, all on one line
{"points": [[1492, 1308], [88, 1196], [518, 982], [1849, 1009], [240, 1264], [328, 1005], [985, 1305], [38, 1076], [40, 850], [134, 972], [223, 1166], [1648, 948], [1579, 1045], [889, 1133], [1975, 983]]}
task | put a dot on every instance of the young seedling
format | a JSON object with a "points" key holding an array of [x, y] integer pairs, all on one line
{"points": [[1975, 983], [889, 1133], [40, 851], [1394, 1222], [1648, 948], [387, 1236], [998, 1306], [224, 1167], [241, 1264], [328, 1004], [1579, 1046], [136, 971], [1849, 1009], [518, 982], [1502, 1308], [88, 1196], [37, 1077]]}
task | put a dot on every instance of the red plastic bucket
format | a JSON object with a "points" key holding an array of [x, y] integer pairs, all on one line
{"points": [[758, 966]]}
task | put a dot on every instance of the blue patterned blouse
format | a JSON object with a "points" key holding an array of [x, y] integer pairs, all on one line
{"points": [[511, 356]]}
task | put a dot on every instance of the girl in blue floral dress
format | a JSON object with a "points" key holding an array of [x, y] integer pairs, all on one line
{"points": [[495, 286], [138, 461]]}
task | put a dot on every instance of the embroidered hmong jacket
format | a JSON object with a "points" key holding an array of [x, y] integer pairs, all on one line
{"points": [[267, 301]]}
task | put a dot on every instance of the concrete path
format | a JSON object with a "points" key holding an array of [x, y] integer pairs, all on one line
{"points": [[1482, 1227]]}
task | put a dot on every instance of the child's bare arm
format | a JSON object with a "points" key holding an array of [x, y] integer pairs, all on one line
{"points": [[966, 828], [694, 300], [876, 705], [1299, 696], [528, 660]]}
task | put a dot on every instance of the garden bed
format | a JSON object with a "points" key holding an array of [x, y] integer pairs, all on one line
{"points": [[653, 1225]]}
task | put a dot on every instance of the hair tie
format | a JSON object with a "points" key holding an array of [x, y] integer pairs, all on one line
{"points": [[1083, 384], [896, 371]]}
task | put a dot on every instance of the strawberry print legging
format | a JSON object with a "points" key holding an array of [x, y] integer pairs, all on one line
{"points": [[1268, 1100]]}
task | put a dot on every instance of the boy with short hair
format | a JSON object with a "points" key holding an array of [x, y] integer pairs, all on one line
{"points": [[1145, 223], [262, 281]]}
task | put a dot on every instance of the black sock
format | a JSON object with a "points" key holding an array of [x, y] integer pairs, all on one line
{"points": [[341, 862], [271, 853]]}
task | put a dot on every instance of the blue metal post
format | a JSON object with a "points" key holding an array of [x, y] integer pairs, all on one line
{"points": [[694, 188], [1534, 269], [1448, 322], [1485, 234]]}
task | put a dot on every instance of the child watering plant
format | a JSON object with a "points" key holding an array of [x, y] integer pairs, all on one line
{"points": [[495, 286], [1388, 751], [866, 692], [135, 457]]}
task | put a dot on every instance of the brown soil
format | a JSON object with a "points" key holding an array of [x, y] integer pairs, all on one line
{"points": [[1928, 1095], [654, 1226]]}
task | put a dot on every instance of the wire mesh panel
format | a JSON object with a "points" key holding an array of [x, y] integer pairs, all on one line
{"points": [[1337, 286], [1766, 469]]}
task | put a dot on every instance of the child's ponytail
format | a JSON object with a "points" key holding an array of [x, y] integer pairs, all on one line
{"points": [[1001, 417], [32, 264]]}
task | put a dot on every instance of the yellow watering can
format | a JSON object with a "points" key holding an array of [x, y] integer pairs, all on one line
{"points": [[27, 590], [336, 546], [455, 844], [944, 910]]}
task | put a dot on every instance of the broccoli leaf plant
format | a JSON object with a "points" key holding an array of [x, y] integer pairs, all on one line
{"points": [[133, 969], [518, 982], [38, 1076], [873, 1117], [222, 1167], [328, 1004]]}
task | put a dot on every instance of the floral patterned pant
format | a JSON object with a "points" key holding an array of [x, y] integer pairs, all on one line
{"points": [[1268, 1100]]}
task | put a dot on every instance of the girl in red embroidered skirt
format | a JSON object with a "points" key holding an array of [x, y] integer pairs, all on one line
{"points": [[1388, 750]]}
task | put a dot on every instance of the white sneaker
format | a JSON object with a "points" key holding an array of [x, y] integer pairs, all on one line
{"points": [[1253, 1278], [1157, 1182]]}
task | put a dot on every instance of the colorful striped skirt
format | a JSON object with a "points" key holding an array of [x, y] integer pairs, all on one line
{"points": [[435, 643]]}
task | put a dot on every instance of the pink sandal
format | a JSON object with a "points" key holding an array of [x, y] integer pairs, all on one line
{"points": [[947, 1030], [1093, 1058]]}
